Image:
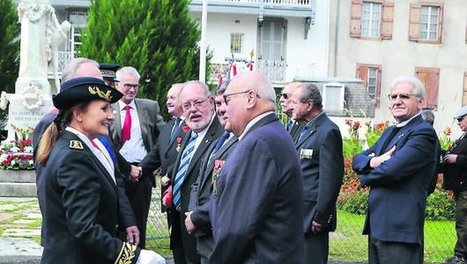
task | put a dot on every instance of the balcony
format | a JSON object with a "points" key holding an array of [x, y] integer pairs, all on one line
{"points": [[291, 8]]}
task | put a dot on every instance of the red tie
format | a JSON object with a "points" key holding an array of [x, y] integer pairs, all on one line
{"points": [[126, 130]]}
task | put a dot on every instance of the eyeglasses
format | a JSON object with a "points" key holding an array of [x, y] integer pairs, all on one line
{"points": [[402, 96], [129, 85], [226, 96], [286, 96], [196, 103]]}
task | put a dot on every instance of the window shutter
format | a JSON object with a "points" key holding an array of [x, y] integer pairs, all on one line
{"points": [[464, 95], [387, 20], [362, 73], [355, 18], [414, 22], [440, 23], [378, 86], [430, 78]]}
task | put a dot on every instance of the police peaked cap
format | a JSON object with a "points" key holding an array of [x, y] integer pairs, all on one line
{"points": [[84, 89]]}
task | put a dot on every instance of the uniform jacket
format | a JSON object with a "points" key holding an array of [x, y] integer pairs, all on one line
{"points": [[455, 175], [398, 187], [201, 193], [257, 214], [322, 164], [82, 208]]}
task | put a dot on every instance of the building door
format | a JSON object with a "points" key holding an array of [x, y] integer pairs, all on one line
{"points": [[271, 50]]}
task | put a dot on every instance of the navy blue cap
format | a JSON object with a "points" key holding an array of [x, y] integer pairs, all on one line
{"points": [[83, 89]]}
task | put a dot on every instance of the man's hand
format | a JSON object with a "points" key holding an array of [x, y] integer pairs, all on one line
{"points": [[165, 180], [132, 235], [450, 158], [376, 161], [135, 173], [315, 227], [190, 227]]}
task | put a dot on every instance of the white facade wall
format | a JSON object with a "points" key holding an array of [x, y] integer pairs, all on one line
{"points": [[400, 56]]}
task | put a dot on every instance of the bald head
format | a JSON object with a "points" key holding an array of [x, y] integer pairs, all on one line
{"points": [[174, 107], [248, 95], [81, 67]]}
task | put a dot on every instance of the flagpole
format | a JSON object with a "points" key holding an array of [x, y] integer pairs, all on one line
{"points": [[202, 43]]}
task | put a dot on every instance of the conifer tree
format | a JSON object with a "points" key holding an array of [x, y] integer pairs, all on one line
{"points": [[9, 47], [157, 37]]}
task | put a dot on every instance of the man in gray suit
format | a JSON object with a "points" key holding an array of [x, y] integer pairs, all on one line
{"points": [[134, 132], [197, 221], [319, 146]]}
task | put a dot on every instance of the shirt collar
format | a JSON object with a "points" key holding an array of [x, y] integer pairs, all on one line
{"points": [[121, 105], [403, 123], [252, 122]]}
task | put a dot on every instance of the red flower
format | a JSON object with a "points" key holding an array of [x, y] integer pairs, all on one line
{"points": [[185, 128]]}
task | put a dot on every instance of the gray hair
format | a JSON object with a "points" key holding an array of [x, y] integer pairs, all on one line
{"points": [[264, 89], [428, 116], [310, 91], [197, 83], [418, 87], [127, 70], [222, 87], [73, 65]]}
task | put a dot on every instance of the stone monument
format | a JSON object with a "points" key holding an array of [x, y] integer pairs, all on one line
{"points": [[40, 36]]}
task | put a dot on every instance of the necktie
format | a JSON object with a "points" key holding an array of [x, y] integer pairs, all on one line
{"points": [[175, 128], [289, 126], [182, 169], [126, 130], [219, 143], [302, 133]]}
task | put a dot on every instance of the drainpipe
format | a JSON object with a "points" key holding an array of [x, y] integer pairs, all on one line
{"points": [[336, 37]]}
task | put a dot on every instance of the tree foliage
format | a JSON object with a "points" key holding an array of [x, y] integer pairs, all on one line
{"points": [[9, 47], [157, 37]]}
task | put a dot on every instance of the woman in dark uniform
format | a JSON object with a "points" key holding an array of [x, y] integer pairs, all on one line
{"points": [[81, 200]]}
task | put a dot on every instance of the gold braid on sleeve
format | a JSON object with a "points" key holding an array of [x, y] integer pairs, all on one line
{"points": [[127, 254]]}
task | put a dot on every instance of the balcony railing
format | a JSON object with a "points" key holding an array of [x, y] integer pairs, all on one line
{"points": [[275, 3]]}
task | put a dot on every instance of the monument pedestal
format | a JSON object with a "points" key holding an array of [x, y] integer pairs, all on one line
{"points": [[18, 183]]}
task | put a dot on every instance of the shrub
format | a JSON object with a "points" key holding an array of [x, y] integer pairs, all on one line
{"points": [[440, 205]]}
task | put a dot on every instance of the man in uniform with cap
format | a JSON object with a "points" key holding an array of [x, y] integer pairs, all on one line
{"points": [[454, 167]]}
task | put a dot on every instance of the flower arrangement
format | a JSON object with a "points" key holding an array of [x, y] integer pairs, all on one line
{"points": [[17, 154], [445, 140]]}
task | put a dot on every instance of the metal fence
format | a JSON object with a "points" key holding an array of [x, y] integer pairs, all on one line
{"points": [[347, 244]]}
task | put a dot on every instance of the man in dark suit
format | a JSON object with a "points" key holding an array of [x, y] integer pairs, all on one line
{"points": [[164, 155], [197, 221], [454, 167], [134, 132], [398, 168], [198, 109], [83, 67], [320, 151], [257, 215], [293, 126]]}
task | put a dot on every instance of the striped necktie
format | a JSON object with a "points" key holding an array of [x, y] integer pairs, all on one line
{"points": [[182, 169]]}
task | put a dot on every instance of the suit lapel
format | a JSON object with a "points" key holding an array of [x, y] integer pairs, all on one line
{"points": [[312, 129], [116, 125], [144, 124]]}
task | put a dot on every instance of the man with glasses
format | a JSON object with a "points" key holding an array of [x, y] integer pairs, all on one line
{"points": [[398, 168], [454, 167], [257, 212], [292, 126], [198, 110], [134, 132]]}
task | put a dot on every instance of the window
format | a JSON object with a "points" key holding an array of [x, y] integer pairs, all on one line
{"points": [[78, 21], [370, 74], [371, 19], [333, 97], [430, 79], [426, 23], [236, 42]]}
